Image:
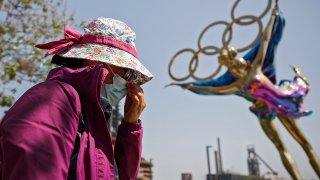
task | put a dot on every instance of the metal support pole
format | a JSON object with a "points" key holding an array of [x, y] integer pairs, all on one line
{"points": [[220, 158], [217, 164], [208, 158]]}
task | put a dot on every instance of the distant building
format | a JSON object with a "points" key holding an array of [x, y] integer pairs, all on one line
{"points": [[186, 176], [145, 171]]}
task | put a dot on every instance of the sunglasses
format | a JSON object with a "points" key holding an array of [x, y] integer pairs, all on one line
{"points": [[129, 75]]}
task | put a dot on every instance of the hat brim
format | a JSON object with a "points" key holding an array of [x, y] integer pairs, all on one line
{"points": [[110, 55]]}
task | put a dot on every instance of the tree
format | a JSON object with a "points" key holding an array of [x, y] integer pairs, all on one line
{"points": [[23, 24]]}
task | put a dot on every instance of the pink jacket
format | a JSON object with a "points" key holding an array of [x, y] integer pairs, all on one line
{"points": [[38, 133]]}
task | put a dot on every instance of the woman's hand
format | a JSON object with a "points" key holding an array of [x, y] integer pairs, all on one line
{"points": [[134, 104]]}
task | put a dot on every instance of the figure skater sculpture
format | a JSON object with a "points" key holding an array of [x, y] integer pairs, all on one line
{"points": [[253, 77]]}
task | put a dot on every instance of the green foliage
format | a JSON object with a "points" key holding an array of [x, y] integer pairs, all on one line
{"points": [[6, 101], [23, 24]]}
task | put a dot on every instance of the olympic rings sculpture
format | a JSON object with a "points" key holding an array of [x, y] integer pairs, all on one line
{"points": [[227, 36]]}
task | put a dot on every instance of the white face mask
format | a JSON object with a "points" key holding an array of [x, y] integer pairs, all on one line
{"points": [[117, 90]]}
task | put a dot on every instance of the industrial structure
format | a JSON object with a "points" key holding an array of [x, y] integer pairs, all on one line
{"points": [[253, 161], [218, 162]]}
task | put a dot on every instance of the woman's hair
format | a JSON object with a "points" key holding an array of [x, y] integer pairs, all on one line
{"points": [[68, 62]]}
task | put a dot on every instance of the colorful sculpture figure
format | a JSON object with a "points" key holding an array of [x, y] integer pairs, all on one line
{"points": [[253, 77]]}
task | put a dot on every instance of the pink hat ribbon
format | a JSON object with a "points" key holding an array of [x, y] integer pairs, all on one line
{"points": [[72, 37]]}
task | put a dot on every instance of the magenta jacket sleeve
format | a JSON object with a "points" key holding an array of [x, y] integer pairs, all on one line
{"points": [[37, 134], [128, 149]]}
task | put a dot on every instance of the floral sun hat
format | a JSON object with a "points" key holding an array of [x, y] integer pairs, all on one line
{"points": [[105, 40]]}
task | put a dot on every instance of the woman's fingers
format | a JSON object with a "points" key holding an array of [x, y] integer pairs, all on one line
{"points": [[135, 102], [141, 101], [137, 95], [135, 99], [138, 101]]}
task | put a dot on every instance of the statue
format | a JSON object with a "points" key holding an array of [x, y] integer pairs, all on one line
{"points": [[253, 77]]}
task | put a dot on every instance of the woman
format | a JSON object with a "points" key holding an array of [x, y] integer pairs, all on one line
{"points": [[58, 129], [253, 78]]}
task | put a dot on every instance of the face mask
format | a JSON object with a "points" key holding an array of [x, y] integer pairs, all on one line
{"points": [[117, 90]]}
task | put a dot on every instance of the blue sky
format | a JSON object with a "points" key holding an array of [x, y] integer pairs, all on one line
{"points": [[179, 124]]}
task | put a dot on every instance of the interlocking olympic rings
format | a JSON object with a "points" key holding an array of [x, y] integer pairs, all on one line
{"points": [[227, 36]]}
